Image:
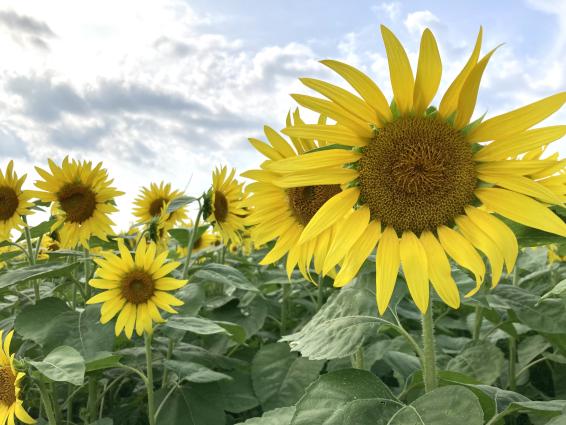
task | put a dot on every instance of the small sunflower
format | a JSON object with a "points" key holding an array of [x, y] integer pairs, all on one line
{"points": [[283, 212], [427, 178], [135, 287], [226, 205], [207, 239], [151, 201], [14, 202], [82, 198], [10, 403]]}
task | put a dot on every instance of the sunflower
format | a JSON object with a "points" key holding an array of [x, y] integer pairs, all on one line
{"points": [[151, 201], [135, 287], [10, 402], [14, 202], [82, 198], [428, 179], [225, 205], [283, 212], [204, 241]]}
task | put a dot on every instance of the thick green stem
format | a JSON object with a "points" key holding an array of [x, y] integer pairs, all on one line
{"points": [[31, 258], [284, 308], [69, 404], [47, 403], [92, 395], [320, 292], [191, 243], [358, 358], [477, 322], [170, 346], [149, 383], [429, 358], [512, 364], [86, 265]]}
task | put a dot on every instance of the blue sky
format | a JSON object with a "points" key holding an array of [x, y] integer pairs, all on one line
{"points": [[168, 89]]}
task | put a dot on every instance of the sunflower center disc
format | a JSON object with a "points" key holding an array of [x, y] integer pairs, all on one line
{"points": [[78, 201], [156, 206], [306, 201], [137, 287], [8, 202], [416, 174], [220, 207], [7, 386]]}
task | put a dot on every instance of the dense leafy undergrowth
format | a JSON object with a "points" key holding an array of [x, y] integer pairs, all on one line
{"points": [[249, 346]]}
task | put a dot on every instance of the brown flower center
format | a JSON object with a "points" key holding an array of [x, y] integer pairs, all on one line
{"points": [[7, 386], [156, 206], [137, 287], [417, 173], [220, 207], [78, 201], [306, 201], [8, 202]]}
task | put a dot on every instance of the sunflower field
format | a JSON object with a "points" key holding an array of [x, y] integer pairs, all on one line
{"points": [[390, 263]]}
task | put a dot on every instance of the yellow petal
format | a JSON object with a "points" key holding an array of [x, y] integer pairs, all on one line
{"points": [[485, 244], [400, 72], [522, 209], [356, 257], [365, 87], [517, 144], [265, 149], [317, 176], [439, 270], [169, 283], [429, 72], [387, 261], [22, 415], [333, 134], [518, 120], [522, 185], [462, 251], [105, 296], [333, 210], [415, 267], [449, 101], [515, 167], [502, 235], [278, 142], [469, 93], [309, 161]]}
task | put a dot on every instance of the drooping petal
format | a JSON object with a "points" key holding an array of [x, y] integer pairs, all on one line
{"points": [[415, 267], [387, 262]]}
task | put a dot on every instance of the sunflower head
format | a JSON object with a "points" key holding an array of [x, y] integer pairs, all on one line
{"points": [[420, 182], [152, 201], [225, 205], [14, 202], [82, 198], [10, 403], [135, 288]]}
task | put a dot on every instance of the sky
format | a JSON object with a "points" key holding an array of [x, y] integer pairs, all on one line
{"points": [[169, 89]]}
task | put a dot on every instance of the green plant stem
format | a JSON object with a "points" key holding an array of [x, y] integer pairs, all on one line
{"points": [[92, 395], [47, 403], [320, 292], [512, 364], [31, 258], [429, 359], [170, 346], [191, 243], [358, 358], [86, 269], [284, 308], [69, 403], [149, 383], [477, 323]]}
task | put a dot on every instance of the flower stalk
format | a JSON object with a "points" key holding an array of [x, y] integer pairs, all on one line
{"points": [[429, 355], [149, 381]]}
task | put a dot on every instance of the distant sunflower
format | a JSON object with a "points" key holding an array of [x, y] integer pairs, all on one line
{"points": [[282, 213], [226, 205], [14, 202], [150, 202], [421, 173], [205, 240], [11, 406], [82, 198], [135, 287]]}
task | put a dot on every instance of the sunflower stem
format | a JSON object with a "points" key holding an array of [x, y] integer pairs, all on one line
{"points": [[512, 379], [191, 243], [429, 358], [31, 258], [47, 403], [284, 308], [477, 322], [87, 273], [320, 292], [91, 401], [149, 383], [170, 346]]}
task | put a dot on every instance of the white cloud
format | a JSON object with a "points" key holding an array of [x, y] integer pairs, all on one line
{"points": [[417, 21], [391, 9]]}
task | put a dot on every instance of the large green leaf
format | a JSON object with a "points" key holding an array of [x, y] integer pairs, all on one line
{"points": [[39, 230], [197, 325], [64, 364], [238, 393], [223, 274], [37, 271], [280, 377], [194, 404], [194, 372], [444, 406], [348, 396], [483, 361], [281, 416]]}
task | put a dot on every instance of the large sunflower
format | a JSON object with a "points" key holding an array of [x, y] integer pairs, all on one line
{"points": [[226, 210], [150, 202], [14, 202], [424, 175], [282, 213], [82, 198], [10, 402], [136, 287]]}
